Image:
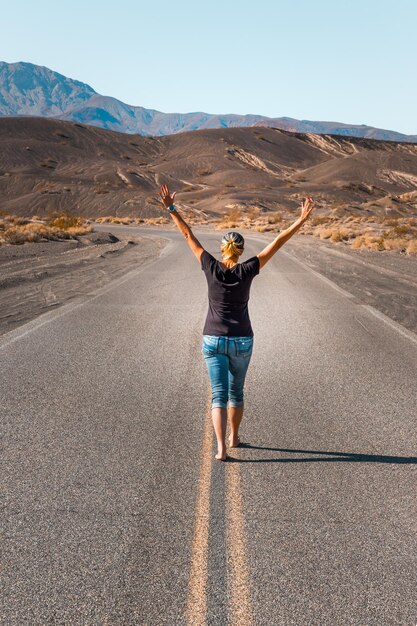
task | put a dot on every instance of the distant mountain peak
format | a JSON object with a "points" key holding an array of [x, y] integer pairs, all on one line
{"points": [[35, 90], [28, 89]]}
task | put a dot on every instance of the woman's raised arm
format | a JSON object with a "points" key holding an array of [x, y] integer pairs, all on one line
{"points": [[191, 239], [168, 201], [268, 252]]}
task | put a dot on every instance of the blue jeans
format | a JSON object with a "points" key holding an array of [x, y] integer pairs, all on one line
{"points": [[227, 360]]}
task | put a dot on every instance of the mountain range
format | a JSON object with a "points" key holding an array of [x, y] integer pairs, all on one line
{"points": [[32, 90]]}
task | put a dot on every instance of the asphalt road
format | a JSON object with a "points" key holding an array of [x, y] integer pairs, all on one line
{"points": [[115, 511]]}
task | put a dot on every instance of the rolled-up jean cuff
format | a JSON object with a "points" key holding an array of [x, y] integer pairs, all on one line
{"points": [[236, 404], [217, 405]]}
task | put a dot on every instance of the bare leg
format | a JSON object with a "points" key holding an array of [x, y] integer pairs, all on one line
{"points": [[235, 417], [219, 416]]}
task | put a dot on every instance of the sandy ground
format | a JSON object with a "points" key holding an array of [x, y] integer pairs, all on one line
{"points": [[35, 277]]}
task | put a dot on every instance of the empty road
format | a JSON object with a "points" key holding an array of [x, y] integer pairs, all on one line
{"points": [[114, 509]]}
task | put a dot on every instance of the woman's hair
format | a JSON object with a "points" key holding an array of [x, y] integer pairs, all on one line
{"points": [[232, 245]]}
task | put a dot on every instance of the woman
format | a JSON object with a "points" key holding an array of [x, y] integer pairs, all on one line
{"points": [[227, 334]]}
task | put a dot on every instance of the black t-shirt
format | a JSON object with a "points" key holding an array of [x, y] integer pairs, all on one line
{"points": [[228, 295]]}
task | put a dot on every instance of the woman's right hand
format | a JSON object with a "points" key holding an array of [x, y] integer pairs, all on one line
{"points": [[306, 208], [167, 199]]}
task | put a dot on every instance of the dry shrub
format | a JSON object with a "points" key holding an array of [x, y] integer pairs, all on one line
{"points": [[156, 220], [15, 219], [412, 247], [65, 220], [17, 235], [235, 214], [317, 220], [342, 234], [358, 242], [401, 221], [275, 217], [369, 242], [79, 230], [401, 229], [126, 221], [36, 232], [324, 233], [366, 232], [253, 212], [14, 235], [232, 218], [395, 244], [18, 230], [389, 221]]}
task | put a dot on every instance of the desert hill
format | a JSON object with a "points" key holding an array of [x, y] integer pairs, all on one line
{"points": [[48, 165]]}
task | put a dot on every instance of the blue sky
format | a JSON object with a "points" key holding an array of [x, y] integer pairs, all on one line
{"points": [[347, 61]]}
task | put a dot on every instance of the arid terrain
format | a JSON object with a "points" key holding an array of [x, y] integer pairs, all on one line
{"points": [[59, 180], [365, 190], [38, 276], [52, 165], [108, 463]]}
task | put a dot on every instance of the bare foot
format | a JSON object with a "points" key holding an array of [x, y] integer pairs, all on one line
{"points": [[221, 457], [234, 443]]}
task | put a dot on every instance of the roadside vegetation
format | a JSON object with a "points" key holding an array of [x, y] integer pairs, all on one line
{"points": [[18, 230], [131, 221], [379, 233], [368, 233]]}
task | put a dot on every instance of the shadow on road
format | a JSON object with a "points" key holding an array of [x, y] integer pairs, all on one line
{"points": [[345, 457]]}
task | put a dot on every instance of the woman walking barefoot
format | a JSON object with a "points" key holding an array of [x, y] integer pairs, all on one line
{"points": [[227, 334]]}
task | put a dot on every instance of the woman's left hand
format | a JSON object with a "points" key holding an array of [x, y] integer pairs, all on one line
{"points": [[167, 199]]}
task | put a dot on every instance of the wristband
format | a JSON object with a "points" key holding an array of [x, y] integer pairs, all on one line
{"points": [[171, 208]]}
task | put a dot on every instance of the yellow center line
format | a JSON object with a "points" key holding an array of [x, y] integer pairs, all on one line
{"points": [[197, 586], [240, 608]]}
